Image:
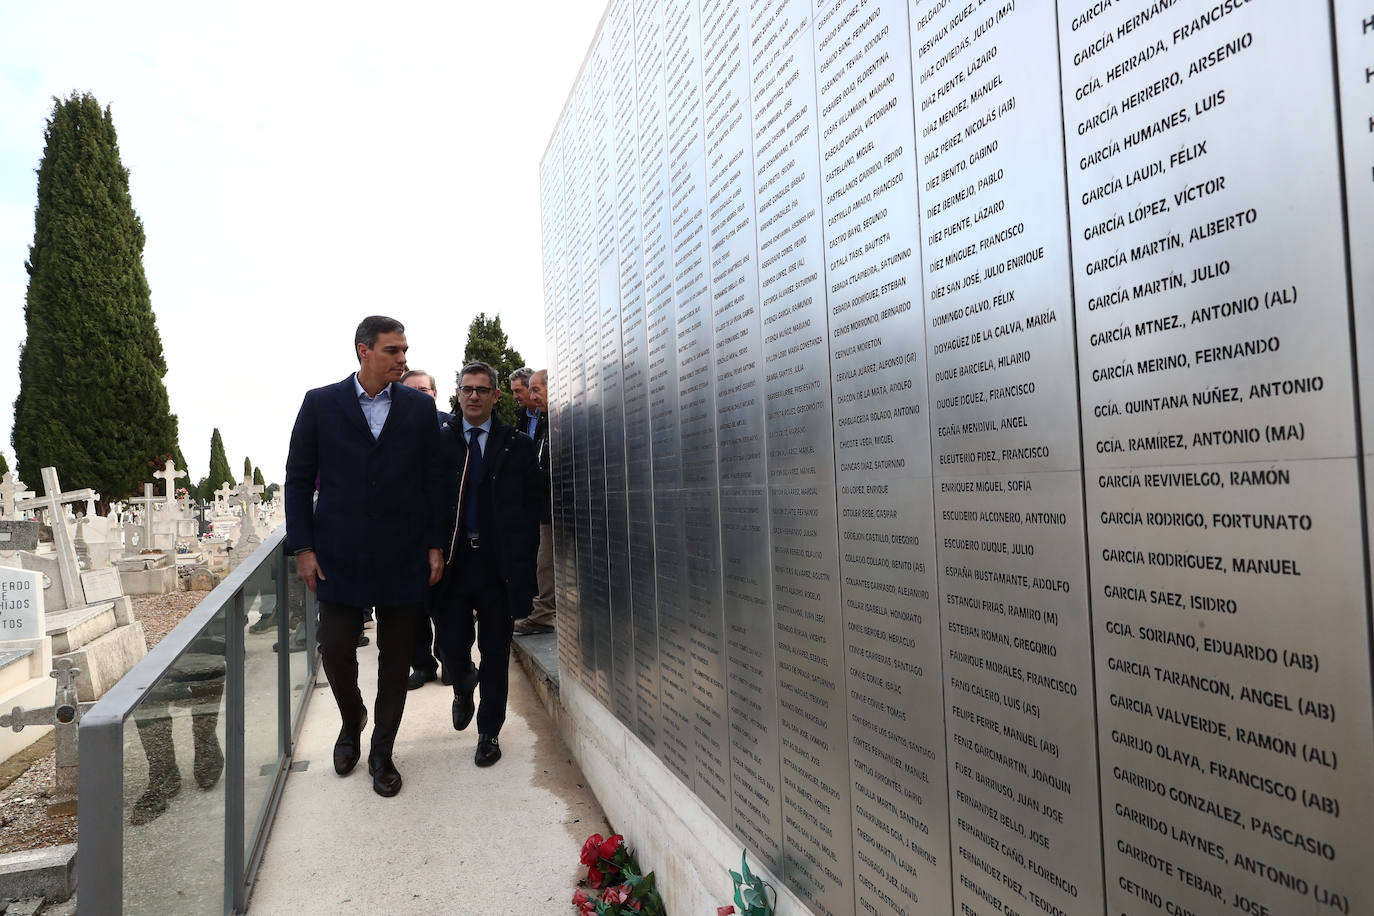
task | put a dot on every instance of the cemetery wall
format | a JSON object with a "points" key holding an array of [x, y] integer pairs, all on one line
{"points": [[957, 418]]}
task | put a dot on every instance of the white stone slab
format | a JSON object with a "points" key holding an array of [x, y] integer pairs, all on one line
{"points": [[21, 604], [101, 584]]}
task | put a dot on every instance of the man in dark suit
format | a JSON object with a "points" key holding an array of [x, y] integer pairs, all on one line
{"points": [[542, 615], [369, 446], [492, 496], [424, 664]]}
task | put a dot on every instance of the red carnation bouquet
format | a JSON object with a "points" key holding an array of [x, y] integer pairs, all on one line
{"points": [[618, 886]]}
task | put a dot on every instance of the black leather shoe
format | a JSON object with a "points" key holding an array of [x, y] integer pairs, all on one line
{"points": [[463, 705], [386, 782], [463, 710], [488, 751], [419, 679], [446, 679], [347, 749]]}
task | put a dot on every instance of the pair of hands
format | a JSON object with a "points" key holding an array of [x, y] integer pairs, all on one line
{"points": [[309, 568]]}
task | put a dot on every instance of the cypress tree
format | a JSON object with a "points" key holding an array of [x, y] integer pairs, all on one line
{"points": [[247, 468], [258, 478], [488, 343], [91, 398], [4, 465], [219, 468]]}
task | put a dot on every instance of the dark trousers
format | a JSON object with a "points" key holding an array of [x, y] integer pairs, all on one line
{"points": [[424, 650], [474, 610], [339, 629]]}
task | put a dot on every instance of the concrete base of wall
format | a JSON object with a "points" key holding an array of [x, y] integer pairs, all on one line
{"points": [[671, 830]]}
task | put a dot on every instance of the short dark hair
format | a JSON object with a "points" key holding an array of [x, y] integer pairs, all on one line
{"points": [[523, 374], [411, 373], [372, 327], [477, 366]]}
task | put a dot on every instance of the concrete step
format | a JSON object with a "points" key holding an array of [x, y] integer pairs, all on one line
{"points": [[49, 873], [106, 659], [14, 669], [70, 630]]}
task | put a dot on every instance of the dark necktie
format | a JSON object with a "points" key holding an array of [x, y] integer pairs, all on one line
{"points": [[475, 469]]}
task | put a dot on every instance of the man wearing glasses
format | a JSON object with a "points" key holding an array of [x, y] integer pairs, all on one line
{"points": [[492, 496]]}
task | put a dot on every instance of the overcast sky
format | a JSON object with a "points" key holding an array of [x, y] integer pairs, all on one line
{"points": [[298, 166]]}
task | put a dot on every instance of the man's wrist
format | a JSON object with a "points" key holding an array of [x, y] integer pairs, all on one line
{"points": [[304, 550]]}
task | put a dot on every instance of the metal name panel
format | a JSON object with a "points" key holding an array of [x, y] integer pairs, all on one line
{"points": [[1008, 501], [1217, 411], [959, 479]]}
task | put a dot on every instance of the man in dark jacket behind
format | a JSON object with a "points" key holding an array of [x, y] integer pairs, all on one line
{"points": [[492, 496], [542, 619], [370, 447]]}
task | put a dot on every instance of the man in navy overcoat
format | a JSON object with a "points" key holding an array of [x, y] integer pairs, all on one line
{"points": [[364, 518], [491, 498]]}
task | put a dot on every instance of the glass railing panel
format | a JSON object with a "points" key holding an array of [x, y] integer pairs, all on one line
{"points": [[174, 790], [296, 638], [262, 750]]}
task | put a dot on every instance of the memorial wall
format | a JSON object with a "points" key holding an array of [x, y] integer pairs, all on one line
{"points": [[957, 420]]}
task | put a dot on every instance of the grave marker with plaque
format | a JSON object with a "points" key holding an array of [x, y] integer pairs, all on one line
{"points": [[21, 604]]}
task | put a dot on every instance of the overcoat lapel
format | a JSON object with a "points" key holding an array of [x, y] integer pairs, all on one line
{"points": [[395, 417], [347, 400]]}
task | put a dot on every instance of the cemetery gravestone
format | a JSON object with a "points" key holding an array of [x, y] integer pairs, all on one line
{"points": [[53, 501], [169, 475], [18, 534], [25, 653], [21, 604], [11, 491]]}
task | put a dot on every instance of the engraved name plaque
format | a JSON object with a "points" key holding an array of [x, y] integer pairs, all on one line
{"points": [[959, 426]]}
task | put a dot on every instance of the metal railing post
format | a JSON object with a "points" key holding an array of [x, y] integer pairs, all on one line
{"points": [[235, 890], [100, 812], [279, 574]]}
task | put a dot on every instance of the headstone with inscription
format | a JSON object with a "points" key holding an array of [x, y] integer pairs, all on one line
{"points": [[21, 604], [25, 653]]}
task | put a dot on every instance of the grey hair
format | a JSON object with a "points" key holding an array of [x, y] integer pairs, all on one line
{"points": [[411, 373]]}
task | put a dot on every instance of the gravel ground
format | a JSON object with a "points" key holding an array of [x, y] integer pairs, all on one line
{"points": [[26, 821]]}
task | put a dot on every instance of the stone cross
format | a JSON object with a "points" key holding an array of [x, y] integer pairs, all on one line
{"points": [[249, 493], [169, 475], [222, 496], [90, 505], [53, 501], [65, 717], [12, 490], [147, 501]]}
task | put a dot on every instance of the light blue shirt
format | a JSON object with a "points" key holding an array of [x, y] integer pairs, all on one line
{"points": [[531, 421], [482, 439], [375, 410]]}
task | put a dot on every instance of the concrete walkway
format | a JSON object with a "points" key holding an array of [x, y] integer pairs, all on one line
{"points": [[457, 840]]}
